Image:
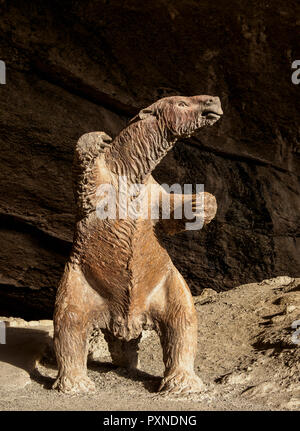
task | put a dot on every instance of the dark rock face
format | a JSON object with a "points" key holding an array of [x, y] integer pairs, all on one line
{"points": [[75, 67]]}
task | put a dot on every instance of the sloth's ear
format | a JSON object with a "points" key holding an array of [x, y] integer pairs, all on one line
{"points": [[144, 113]]}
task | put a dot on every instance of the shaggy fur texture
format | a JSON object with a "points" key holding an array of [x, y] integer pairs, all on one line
{"points": [[119, 276]]}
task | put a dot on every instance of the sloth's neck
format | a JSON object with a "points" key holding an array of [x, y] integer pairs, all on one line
{"points": [[138, 149]]}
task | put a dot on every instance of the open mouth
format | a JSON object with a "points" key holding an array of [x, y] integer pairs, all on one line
{"points": [[211, 115]]}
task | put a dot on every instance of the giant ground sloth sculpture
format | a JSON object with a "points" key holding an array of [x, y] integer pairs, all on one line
{"points": [[119, 277]]}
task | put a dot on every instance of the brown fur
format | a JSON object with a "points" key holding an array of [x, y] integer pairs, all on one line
{"points": [[119, 277]]}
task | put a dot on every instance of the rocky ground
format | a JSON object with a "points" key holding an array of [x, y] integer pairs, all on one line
{"points": [[248, 357]]}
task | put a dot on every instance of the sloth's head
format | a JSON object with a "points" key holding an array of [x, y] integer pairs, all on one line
{"points": [[183, 116]]}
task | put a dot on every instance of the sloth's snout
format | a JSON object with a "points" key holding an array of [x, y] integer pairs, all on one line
{"points": [[213, 107]]}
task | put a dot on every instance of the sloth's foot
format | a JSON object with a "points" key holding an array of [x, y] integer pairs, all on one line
{"points": [[181, 382], [74, 384]]}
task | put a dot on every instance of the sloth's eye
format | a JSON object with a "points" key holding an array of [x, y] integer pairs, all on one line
{"points": [[182, 103]]}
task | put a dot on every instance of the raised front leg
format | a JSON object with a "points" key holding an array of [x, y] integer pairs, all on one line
{"points": [[203, 207], [175, 314]]}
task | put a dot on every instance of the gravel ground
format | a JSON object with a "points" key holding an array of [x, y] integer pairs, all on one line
{"points": [[246, 357]]}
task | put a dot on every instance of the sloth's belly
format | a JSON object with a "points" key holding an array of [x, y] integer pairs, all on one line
{"points": [[121, 259]]}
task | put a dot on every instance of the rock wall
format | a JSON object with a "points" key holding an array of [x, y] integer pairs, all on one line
{"points": [[75, 67]]}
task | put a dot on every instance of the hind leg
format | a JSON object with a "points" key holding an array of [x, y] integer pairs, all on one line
{"points": [[174, 312], [123, 353], [71, 331]]}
